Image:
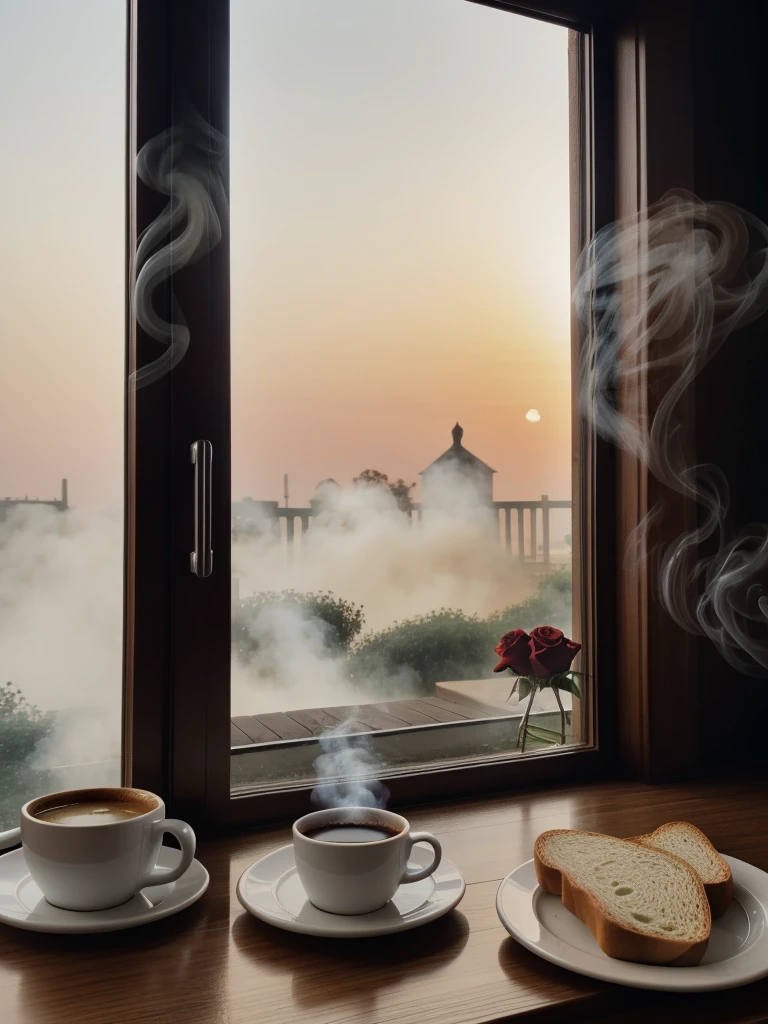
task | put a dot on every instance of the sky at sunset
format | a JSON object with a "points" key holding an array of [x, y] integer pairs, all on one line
{"points": [[62, 226], [400, 251], [400, 242]]}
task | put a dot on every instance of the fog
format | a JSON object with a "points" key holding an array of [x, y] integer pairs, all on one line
{"points": [[61, 598], [362, 548], [365, 549], [61, 593]]}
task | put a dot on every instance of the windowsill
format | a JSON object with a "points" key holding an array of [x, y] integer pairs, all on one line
{"points": [[215, 963], [270, 766]]}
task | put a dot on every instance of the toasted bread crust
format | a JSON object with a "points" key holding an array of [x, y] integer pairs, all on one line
{"points": [[617, 940], [720, 892]]}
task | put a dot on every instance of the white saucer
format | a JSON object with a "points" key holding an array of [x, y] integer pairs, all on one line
{"points": [[23, 905], [270, 889], [737, 951]]}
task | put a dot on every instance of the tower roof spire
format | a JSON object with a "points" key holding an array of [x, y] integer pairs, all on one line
{"points": [[457, 454]]}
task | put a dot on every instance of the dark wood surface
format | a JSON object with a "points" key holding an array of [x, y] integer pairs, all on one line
{"points": [[293, 725], [215, 964]]}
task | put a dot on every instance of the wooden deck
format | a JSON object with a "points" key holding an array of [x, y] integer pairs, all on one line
{"points": [[304, 724]]}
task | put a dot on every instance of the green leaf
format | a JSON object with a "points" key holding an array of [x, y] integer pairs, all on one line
{"points": [[566, 683], [524, 688], [537, 732], [544, 732]]}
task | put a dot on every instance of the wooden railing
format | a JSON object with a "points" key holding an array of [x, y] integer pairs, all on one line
{"points": [[62, 503], [523, 542], [519, 508]]}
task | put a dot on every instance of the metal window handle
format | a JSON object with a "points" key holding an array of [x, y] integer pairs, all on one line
{"points": [[201, 559]]}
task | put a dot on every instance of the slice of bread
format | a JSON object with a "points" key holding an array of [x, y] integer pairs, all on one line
{"points": [[688, 842], [640, 903]]}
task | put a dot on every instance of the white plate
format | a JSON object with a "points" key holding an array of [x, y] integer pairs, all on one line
{"points": [[737, 952], [24, 906], [270, 889]]}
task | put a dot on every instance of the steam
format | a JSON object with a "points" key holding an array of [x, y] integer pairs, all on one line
{"points": [[346, 770], [660, 293], [187, 163]]}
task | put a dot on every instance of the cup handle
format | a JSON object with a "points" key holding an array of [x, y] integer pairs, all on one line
{"points": [[186, 837], [416, 874], [10, 838]]}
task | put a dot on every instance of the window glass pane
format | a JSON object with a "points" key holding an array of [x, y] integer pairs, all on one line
{"points": [[62, 223], [401, 406]]}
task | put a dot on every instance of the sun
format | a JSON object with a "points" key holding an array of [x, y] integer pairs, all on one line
{"points": [[533, 415]]}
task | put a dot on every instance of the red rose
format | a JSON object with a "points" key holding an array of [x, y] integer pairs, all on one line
{"points": [[551, 651], [515, 652]]}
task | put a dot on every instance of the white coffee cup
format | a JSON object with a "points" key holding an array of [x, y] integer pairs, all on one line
{"points": [[357, 877], [92, 864]]}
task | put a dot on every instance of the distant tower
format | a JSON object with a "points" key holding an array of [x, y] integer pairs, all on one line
{"points": [[456, 463], [64, 495], [326, 494]]}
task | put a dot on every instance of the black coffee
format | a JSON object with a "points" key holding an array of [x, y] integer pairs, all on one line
{"points": [[352, 832]]}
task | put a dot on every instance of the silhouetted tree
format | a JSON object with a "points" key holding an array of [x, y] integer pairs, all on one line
{"points": [[400, 490]]}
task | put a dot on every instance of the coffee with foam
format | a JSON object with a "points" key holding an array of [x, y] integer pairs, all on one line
{"points": [[92, 812]]}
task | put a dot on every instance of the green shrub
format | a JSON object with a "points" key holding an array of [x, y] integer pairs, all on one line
{"points": [[22, 727], [551, 605], [342, 620], [440, 645], [448, 644]]}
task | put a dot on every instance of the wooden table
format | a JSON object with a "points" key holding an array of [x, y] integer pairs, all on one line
{"points": [[214, 963]]}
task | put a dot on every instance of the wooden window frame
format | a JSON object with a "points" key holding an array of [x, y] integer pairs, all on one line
{"points": [[176, 737]]}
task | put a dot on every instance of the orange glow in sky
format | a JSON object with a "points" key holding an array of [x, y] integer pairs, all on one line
{"points": [[400, 247]]}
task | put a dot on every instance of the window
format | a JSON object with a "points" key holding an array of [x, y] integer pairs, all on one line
{"points": [[62, 274], [401, 255], [384, 159], [409, 184]]}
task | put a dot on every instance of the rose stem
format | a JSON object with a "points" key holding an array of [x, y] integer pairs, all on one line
{"points": [[514, 687], [524, 725], [562, 714]]}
